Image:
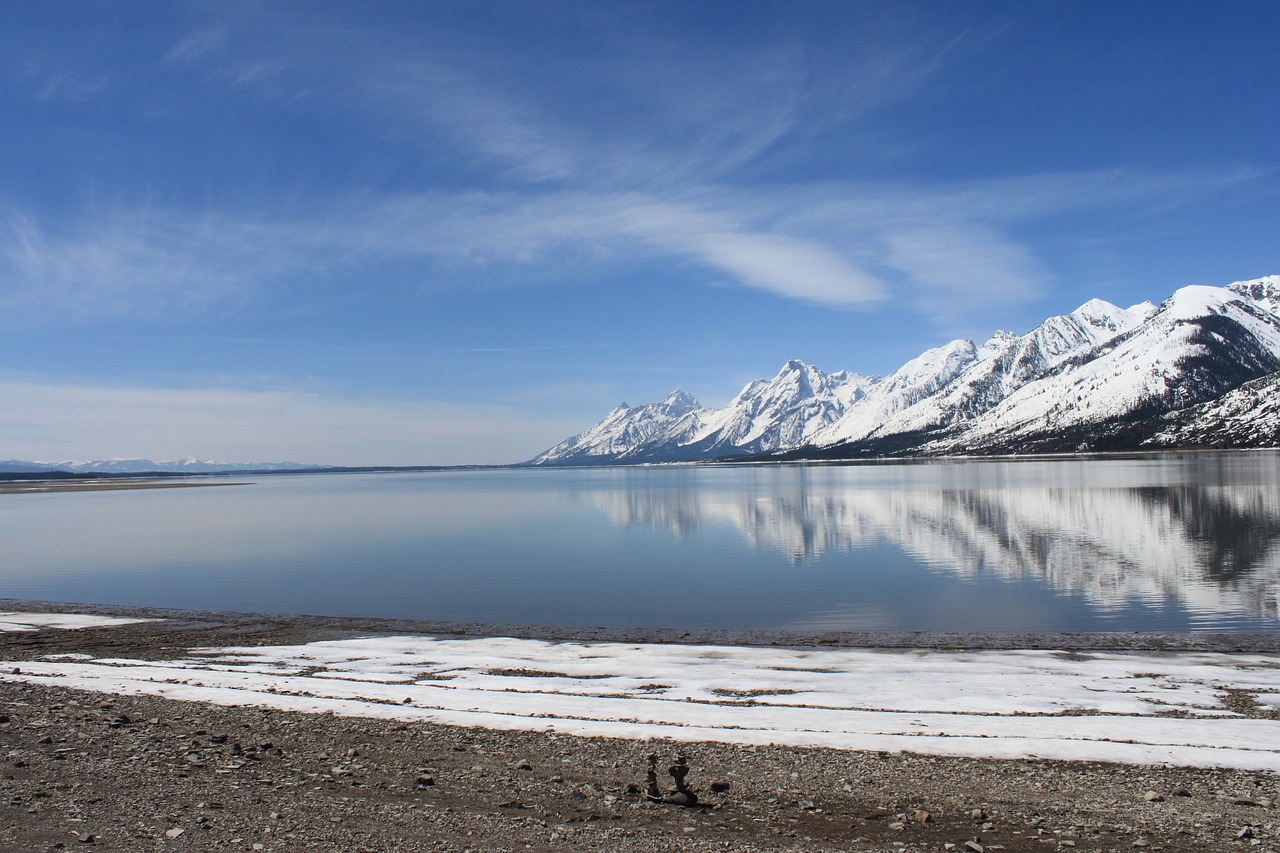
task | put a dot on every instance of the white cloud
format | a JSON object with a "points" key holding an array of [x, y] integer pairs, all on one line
{"points": [[791, 267], [948, 249], [640, 168], [68, 85], [954, 269], [53, 422], [197, 45], [252, 72]]}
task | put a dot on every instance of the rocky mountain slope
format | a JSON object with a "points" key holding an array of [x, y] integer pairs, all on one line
{"points": [[1099, 378]]}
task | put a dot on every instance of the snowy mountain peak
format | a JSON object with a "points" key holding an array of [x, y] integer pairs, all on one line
{"points": [[935, 366], [678, 403], [1197, 300], [1264, 291], [1143, 309], [1102, 314], [998, 342]]}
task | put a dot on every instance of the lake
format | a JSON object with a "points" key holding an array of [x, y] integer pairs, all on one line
{"points": [[1181, 542]]}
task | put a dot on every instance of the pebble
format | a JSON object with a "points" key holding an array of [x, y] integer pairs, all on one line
{"points": [[1153, 797]]}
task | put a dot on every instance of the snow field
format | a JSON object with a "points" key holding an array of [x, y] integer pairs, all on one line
{"points": [[1140, 708]]}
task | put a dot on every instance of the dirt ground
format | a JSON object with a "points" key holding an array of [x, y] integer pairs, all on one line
{"points": [[82, 770]]}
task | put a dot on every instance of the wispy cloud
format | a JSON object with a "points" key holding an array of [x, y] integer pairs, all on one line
{"points": [[641, 157], [252, 72], [546, 348], [946, 250], [791, 267], [434, 98], [953, 268], [197, 45], [68, 86], [145, 263]]}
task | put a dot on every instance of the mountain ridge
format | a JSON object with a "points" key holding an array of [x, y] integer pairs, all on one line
{"points": [[1099, 377], [189, 465]]}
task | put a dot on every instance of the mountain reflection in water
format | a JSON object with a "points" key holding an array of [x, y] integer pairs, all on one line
{"points": [[1203, 530], [1177, 542]]}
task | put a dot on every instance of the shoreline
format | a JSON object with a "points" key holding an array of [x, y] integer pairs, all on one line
{"points": [[95, 484], [321, 626], [125, 770]]}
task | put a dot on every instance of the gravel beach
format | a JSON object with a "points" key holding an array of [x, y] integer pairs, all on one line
{"points": [[88, 770]]}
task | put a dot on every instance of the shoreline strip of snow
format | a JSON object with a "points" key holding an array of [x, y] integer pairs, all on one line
{"points": [[15, 621], [1139, 708]]}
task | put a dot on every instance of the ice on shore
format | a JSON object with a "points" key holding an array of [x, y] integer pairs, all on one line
{"points": [[1141, 708], [18, 621]]}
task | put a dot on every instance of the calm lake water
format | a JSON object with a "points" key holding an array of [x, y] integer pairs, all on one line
{"points": [[1177, 543]]}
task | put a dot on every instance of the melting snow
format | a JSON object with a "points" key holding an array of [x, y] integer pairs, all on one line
{"points": [[1102, 706], [12, 621]]}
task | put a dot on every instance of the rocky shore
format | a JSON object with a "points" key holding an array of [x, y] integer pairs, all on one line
{"points": [[87, 770]]}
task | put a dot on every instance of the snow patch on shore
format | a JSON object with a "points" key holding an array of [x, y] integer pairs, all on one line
{"points": [[1140, 708], [16, 621]]}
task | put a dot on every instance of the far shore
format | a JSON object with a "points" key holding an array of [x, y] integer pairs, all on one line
{"points": [[93, 484]]}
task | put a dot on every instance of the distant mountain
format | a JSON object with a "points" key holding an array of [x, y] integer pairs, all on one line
{"points": [[190, 465], [766, 416], [1099, 378]]}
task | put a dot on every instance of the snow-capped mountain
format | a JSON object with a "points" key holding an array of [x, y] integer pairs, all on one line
{"points": [[766, 416], [189, 465], [624, 430], [1101, 377], [989, 374], [1199, 344]]}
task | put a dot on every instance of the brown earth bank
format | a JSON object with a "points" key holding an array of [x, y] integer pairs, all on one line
{"points": [[82, 770]]}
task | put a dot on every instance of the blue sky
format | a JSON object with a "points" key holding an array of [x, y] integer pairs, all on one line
{"points": [[451, 232]]}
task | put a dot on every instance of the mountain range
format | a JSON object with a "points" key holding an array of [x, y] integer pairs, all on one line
{"points": [[190, 465], [1201, 369]]}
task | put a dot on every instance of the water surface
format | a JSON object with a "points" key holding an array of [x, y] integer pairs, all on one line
{"points": [[1186, 542]]}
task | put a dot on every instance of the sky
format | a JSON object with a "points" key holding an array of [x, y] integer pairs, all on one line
{"points": [[399, 233]]}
